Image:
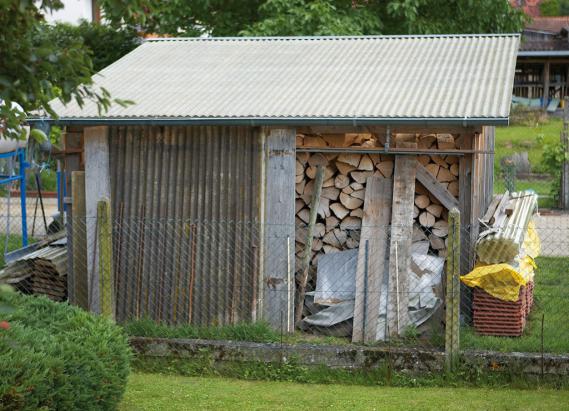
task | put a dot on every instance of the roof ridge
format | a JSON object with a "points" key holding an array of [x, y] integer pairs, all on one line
{"points": [[310, 38]]}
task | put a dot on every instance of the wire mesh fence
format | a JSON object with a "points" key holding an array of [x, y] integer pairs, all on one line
{"points": [[361, 284]]}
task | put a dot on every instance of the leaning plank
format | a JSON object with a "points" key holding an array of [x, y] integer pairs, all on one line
{"points": [[400, 247], [375, 223], [435, 188], [309, 237]]}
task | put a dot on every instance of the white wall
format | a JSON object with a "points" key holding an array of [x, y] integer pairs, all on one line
{"points": [[72, 12]]}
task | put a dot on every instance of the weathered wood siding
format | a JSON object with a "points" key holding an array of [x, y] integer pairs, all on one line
{"points": [[186, 204]]}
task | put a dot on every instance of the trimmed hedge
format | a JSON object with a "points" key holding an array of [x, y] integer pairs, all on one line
{"points": [[55, 356]]}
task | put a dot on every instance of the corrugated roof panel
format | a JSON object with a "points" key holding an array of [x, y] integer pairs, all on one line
{"points": [[385, 77]]}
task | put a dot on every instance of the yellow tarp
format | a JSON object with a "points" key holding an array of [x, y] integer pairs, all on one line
{"points": [[503, 281]]}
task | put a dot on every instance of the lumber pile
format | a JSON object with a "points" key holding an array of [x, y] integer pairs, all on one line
{"points": [[341, 205], [506, 223], [506, 226], [41, 272]]}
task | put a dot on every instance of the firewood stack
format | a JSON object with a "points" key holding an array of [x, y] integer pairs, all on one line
{"points": [[340, 209]]}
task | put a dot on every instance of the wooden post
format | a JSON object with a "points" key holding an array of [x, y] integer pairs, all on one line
{"points": [[77, 279], [452, 330], [106, 280], [564, 192], [319, 179], [546, 69], [97, 187], [280, 165]]}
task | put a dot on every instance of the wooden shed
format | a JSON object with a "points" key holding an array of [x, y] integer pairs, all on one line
{"points": [[211, 172]]}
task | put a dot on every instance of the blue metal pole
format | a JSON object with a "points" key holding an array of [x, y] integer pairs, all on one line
{"points": [[23, 166]]}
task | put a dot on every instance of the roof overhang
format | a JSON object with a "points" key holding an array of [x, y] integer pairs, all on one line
{"points": [[544, 53], [260, 121]]}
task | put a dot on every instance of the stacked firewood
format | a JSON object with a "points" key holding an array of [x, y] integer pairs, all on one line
{"points": [[340, 208]]}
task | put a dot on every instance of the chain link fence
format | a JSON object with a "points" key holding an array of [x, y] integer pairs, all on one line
{"points": [[367, 287]]}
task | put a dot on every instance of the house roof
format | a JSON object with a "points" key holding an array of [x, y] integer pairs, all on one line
{"points": [[320, 80], [548, 24]]}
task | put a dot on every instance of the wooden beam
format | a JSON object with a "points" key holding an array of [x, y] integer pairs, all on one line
{"points": [[546, 71], [97, 187], [77, 278], [400, 247], [372, 260], [319, 179], [278, 266], [435, 188]]}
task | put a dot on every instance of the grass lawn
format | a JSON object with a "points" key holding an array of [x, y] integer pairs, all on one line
{"points": [[166, 392], [514, 139], [551, 300]]}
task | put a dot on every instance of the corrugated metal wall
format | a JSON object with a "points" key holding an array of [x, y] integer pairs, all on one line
{"points": [[186, 204]]}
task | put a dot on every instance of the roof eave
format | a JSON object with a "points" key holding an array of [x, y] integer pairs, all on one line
{"points": [[263, 121], [543, 53]]}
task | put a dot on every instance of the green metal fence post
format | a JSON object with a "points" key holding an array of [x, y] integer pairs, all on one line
{"points": [[452, 331]]}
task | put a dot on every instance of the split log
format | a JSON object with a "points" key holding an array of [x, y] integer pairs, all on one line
{"points": [[426, 219], [300, 187], [360, 194], [335, 140], [350, 202], [314, 141], [330, 193], [347, 190], [424, 160], [440, 228], [356, 186], [422, 201], [317, 244], [385, 168], [331, 239], [452, 159], [328, 249], [365, 163], [433, 169], [439, 161], [299, 168], [454, 169], [445, 142], [331, 223], [298, 179], [444, 176], [304, 215], [319, 230], [427, 141], [298, 205], [361, 176], [302, 157], [416, 211], [350, 159], [351, 223], [339, 210], [437, 243], [299, 140], [344, 168], [328, 183], [317, 159], [358, 212], [453, 188], [341, 181], [435, 209]]}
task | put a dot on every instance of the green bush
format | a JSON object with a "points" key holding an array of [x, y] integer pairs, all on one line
{"points": [[55, 356]]}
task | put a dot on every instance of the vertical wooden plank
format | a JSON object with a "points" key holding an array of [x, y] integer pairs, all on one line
{"points": [[77, 280], [97, 187], [375, 226], [400, 244], [279, 227], [546, 71], [104, 240], [452, 330]]}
